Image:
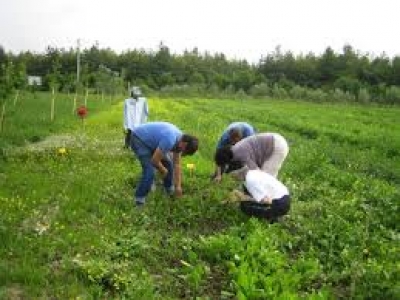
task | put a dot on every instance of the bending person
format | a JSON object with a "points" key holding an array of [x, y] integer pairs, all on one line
{"points": [[151, 143], [233, 133], [264, 151]]}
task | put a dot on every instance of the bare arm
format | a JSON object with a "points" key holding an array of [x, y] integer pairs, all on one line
{"points": [[218, 174], [177, 174], [156, 161]]}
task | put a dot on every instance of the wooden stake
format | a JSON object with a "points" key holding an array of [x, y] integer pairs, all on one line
{"points": [[52, 105], [86, 96], [16, 97], [74, 104], [3, 116]]}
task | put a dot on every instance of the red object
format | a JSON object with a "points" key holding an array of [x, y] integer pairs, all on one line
{"points": [[82, 111]]}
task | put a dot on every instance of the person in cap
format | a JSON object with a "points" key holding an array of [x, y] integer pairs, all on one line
{"points": [[264, 151], [264, 196], [235, 132], [136, 112], [152, 142]]}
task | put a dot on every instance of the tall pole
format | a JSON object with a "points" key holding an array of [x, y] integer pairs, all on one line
{"points": [[78, 62]]}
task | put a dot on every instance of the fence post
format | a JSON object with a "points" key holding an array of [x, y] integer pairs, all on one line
{"points": [[52, 105], [3, 116], [16, 97], [74, 103], [86, 96]]}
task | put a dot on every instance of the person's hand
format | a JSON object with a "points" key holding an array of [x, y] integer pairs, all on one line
{"points": [[217, 178], [266, 200], [178, 192], [163, 173]]}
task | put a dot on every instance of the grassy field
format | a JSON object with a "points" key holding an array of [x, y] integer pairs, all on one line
{"points": [[69, 230]]}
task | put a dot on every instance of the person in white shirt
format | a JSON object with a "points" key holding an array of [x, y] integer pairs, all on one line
{"points": [[264, 197], [136, 112]]}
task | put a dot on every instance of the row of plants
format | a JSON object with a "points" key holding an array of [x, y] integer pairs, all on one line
{"points": [[265, 90]]}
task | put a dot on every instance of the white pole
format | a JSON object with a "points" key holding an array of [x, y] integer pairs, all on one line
{"points": [[78, 62]]}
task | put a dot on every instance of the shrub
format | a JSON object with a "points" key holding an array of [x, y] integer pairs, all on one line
{"points": [[279, 92], [393, 95], [298, 92], [260, 90], [317, 95], [363, 96]]}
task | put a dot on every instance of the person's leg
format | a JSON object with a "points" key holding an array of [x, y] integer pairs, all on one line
{"points": [[278, 208], [146, 180], [281, 206], [144, 155], [255, 209], [168, 180], [128, 138], [279, 153]]}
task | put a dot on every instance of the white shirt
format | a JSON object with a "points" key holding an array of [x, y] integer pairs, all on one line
{"points": [[135, 112], [261, 185]]}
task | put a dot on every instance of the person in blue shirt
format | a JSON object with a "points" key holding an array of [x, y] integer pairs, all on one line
{"points": [[151, 143], [234, 133]]}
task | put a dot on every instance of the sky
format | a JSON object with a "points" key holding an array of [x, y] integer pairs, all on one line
{"points": [[240, 29]]}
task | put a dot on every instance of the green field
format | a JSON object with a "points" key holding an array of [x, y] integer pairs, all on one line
{"points": [[69, 230]]}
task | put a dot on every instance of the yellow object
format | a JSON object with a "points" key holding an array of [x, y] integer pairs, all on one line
{"points": [[190, 166], [62, 150]]}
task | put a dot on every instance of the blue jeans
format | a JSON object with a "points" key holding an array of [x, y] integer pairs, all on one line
{"points": [[144, 154]]}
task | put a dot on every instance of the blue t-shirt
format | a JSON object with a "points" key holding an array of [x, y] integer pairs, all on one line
{"points": [[162, 135], [245, 128]]}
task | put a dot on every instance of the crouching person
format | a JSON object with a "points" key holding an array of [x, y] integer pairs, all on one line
{"points": [[264, 197]]}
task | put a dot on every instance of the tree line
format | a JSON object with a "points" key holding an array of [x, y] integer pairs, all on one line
{"points": [[345, 76]]}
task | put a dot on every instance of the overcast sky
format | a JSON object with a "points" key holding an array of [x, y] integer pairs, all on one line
{"points": [[241, 29]]}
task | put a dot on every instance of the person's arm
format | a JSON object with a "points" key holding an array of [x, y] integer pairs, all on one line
{"points": [[240, 174], [218, 174], [266, 200], [176, 159], [156, 161], [146, 110]]}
